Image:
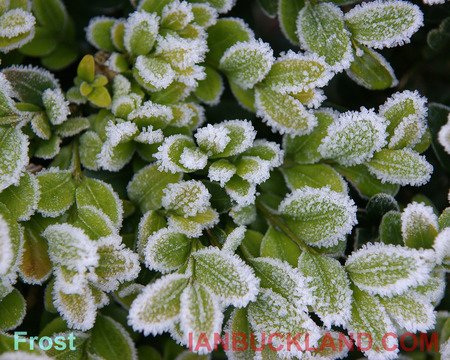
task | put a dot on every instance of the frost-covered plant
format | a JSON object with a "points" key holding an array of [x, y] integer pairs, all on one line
{"points": [[135, 202]]}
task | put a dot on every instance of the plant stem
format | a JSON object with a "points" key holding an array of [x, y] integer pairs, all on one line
{"points": [[276, 221]]}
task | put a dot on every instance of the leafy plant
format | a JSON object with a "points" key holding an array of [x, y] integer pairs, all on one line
{"points": [[186, 177]]}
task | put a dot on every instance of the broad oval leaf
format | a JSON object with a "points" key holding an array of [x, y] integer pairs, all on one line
{"points": [[186, 198], [99, 31], [389, 270], [94, 222], [210, 89], [13, 310], [391, 228], [52, 14], [150, 222], [384, 24], [288, 11], [278, 245], [140, 32], [419, 226]]}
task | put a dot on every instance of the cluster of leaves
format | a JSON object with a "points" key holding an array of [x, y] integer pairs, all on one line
{"points": [[133, 215]]}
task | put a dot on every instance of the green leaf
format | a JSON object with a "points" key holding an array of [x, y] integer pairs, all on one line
{"points": [[96, 193], [315, 176], [321, 30], [22, 199], [277, 245], [247, 63], [90, 147], [245, 97], [404, 167], [17, 28], [201, 313], [226, 275], [78, 342], [98, 33], [57, 192], [193, 226], [166, 250], [86, 69], [204, 16], [30, 83], [330, 288], [283, 113], [94, 222], [369, 317], [224, 34], [210, 89], [40, 125], [150, 222], [444, 219], [388, 270], [371, 70], [43, 43], [152, 73], [385, 24], [320, 217], [220, 201], [146, 187], [304, 149], [153, 6], [51, 14], [366, 184], [63, 56], [100, 97], [117, 345], [419, 226], [379, 205], [13, 309], [48, 149], [140, 32], [288, 11], [72, 127], [239, 324], [293, 73], [158, 306]]}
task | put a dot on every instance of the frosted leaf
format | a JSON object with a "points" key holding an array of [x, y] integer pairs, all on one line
{"points": [[267, 151], [404, 167], [212, 139], [57, 192], [389, 270], [204, 15], [277, 244], [304, 149], [6, 247], [253, 169], [72, 126], [320, 217], [200, 315], [283, 113], [7, 104], [189, 78], [238, 324], [56, 106], [176, 15], [321, 30], [149, 136], [158, 306], [120, 132], [444, 136], [89, 148], [97, 193], [445, 349], [140, 32], [272, 313], [221, 171], [152, 73], [22, 355], [94, 222], [295, 72], [166, 250], [121, 86], [153, 114], [442, 247], [183, 114], [382, 24], [210, 89], [315, 176], [123, 105], [193, 226], [146, 187], [226, 276], [179, 154], [408, 133], [234, 239], [22, 199], [186, 198], [370, 317], [150, 223], [331, 346], [247, 63], [412, 312], [434, 289], [99, 31], [69, 281], [354, 137], [283, 279], [330, 288], [241, 191], [71, 247], [179, 52], [78, 310], [48, 149], [419, 226], [116, 263], [13, 155], [243, 215], [16, 29], [222, 6]]}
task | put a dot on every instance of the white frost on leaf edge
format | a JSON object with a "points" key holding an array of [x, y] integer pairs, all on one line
{"points": [[175, 193], [12, 32], [416, 210], [163, 159], [234, 239], [93, 22], [135, 19], [6, 248], [442, 246], [444, 136], [400, 96]]}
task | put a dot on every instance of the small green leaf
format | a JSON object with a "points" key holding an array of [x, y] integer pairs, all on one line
{"points": [[321, 30], [379, 205], [239, 324], [98, 33], [245, 97], [315, 176], [419, 226], [210, 89], [48, 149], [194, 225], [16, 29], [330, 288], [93, 222], [140, 32], [150, 222], [288, 11], [371, 70], [72, 127], [42, 44], [13, 309], [153, 73], [283, 113], [57, 192], [100, 97], [40, 125], [90, 147], [384, 24], [63, 56], [86, 68], [146, 188], [224, 34], [93, 192], [404, 167], [444, 219], [277, 245], [51, 14]]}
